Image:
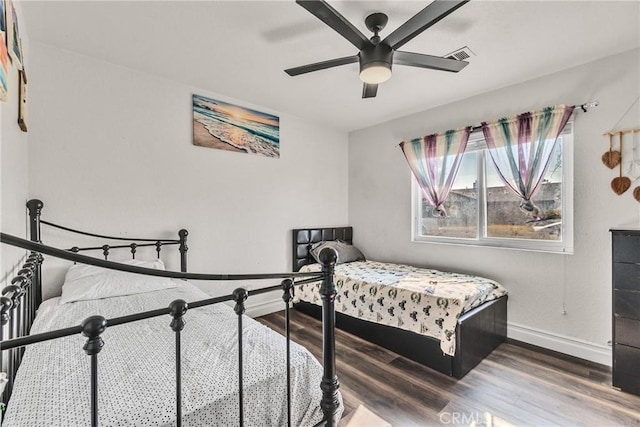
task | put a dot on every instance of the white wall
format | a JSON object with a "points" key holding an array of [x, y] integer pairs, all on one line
{"points": [[540, 284], [13, 170], [111, 151]]}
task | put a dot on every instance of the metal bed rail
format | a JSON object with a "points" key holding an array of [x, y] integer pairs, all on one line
{"points": [[35, 222], [22, 293], [18, 307]]}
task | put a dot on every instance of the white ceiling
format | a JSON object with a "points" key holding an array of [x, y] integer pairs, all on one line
{"points": [[239, 48]]}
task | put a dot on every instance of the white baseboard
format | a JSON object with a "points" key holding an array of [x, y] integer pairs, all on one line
{"points": [[264, 308], [561, 343]]}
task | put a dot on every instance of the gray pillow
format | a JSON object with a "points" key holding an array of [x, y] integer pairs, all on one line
{"points": [[346, 252]]}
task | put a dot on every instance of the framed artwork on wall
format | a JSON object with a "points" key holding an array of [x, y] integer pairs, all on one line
{"points": [[230, 127], [4, 56], [22, 99], [14, 46], [4, 70], [3, 17]]}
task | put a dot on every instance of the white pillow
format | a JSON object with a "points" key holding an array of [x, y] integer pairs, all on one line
{"points": [[87, 282]]}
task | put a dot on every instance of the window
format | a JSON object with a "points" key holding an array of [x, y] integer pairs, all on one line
{"points": [[482, 211]]}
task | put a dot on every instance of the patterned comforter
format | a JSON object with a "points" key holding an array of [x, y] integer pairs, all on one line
{"points": [[428, 302], [136, 375]]}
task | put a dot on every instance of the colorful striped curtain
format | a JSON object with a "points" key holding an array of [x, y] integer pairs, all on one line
{"points": [[521, 149], [434, 161]]}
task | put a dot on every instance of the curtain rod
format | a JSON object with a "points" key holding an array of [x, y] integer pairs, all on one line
{"points": [[584, 107]]}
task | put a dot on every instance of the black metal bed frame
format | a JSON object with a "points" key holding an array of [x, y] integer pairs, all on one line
{"points": [[20, 300]]}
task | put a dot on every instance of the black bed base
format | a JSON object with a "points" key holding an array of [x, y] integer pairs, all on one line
{"points": [[478, 333]]}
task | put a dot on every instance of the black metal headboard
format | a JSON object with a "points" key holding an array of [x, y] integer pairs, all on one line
{"points": [[303, 238], [35, 206]]}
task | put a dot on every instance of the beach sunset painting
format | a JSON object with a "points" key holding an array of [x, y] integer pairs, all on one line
{"points": [[225, 126]]}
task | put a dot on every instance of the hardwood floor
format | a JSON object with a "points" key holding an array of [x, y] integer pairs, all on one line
{"points": [[515, 385]]}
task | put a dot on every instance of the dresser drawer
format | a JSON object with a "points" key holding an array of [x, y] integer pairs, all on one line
{"points": [[626, 382], [626, 309], [627, 359], [626, 248], [626, 304], [627, 332], [626, 276]]}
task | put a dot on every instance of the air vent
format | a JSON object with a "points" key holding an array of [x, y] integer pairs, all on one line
{"points": [[461, 54]]}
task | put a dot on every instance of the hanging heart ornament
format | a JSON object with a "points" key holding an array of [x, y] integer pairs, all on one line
{"points": [[620, 184], [636, 193], [611, 158]]}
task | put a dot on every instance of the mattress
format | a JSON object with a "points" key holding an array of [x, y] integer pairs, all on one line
{"points": [[425, 301], [136, 378]]}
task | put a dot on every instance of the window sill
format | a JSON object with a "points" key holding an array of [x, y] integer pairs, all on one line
{"points": [[511, 244]]}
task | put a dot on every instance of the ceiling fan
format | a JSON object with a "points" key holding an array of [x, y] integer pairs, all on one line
{"points": [[377, 56]]}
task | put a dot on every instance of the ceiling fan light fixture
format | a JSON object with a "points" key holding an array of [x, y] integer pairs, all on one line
{"points": [[375, 64], [376, 55], [375, 73]]}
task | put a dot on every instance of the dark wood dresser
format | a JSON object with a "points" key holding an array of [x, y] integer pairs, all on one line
{"points": [[626, 309]]}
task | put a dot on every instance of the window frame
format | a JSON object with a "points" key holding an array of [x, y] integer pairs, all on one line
{"points": [[478, 144]]}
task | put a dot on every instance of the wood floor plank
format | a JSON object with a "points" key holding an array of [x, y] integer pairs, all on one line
{"points": [[515, 385], [425, 403], [564, 380], [561, 363]]}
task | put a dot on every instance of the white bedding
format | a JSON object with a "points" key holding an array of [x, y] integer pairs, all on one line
{"points": [[136, 376]]}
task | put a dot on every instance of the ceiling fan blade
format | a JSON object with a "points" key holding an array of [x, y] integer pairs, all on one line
{"points": [[324, 12], [421, 21], [369, 91], [428, 61], [321, 65]]}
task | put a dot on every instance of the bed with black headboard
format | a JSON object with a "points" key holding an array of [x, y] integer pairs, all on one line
{"points": [[478, 331]]}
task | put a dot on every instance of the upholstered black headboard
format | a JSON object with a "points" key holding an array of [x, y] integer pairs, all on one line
{"points": [[303, 238]]}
